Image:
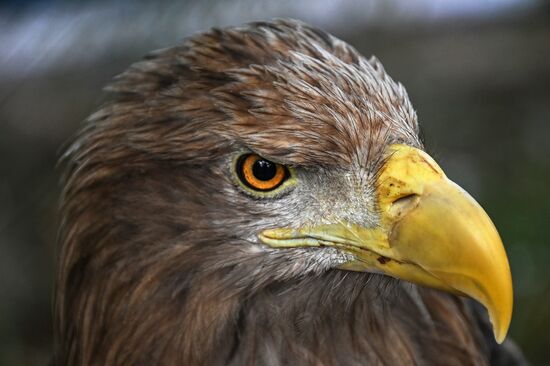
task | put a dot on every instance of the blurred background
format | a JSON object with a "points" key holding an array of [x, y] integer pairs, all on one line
{"points": [[477, 71]]}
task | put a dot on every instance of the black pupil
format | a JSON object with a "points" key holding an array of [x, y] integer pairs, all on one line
{"points": [[264, 170]]}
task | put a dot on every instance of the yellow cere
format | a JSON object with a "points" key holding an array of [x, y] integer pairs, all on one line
{"points": [[430, 232]]}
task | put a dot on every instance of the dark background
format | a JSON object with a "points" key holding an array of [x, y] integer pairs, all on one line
{"points": [[478, 73]]}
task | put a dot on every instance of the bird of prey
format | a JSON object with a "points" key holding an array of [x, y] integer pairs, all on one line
{"points": [[259, 195]]}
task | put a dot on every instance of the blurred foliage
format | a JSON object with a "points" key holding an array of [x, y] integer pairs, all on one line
{"points": [[482, 91]]}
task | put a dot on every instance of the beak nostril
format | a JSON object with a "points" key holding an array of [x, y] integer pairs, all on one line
{"points": [[405, 199], [404, 203]]}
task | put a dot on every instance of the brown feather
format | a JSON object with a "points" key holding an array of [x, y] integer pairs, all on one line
{"points": [[157, 264]]}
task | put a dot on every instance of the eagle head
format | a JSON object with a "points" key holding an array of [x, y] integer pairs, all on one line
{"points": [[260, 195]]}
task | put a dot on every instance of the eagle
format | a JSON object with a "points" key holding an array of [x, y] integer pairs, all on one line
{"points": [[260, 195]]}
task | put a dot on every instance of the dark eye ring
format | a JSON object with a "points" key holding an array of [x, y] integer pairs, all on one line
{"points": [[260, 174]]}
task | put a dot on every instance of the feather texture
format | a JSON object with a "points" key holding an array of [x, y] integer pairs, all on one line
{"points": [[159, 261]]}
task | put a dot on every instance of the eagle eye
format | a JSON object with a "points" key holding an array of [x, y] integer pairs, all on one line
{"points": [[260, 174]]}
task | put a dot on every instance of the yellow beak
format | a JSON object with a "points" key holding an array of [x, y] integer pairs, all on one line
{"points": [[430, 232]]}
